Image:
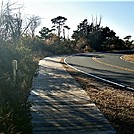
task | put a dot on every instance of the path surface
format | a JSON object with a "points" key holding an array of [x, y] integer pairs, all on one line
{"points": [[61, 106], [108, 66]]}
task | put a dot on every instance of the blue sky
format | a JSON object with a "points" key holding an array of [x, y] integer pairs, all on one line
{"points": [[119, 16]]}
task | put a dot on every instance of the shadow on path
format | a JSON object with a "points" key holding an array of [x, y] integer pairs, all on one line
{"points": [[60, 105]]}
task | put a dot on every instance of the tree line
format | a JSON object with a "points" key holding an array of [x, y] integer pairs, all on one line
{"points": [[89, 36]]}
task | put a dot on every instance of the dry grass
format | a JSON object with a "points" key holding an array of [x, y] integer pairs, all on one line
{"points": [[129, 57], [116, 104]]}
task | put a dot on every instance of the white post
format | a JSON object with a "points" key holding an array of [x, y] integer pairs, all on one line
{"points": [[14, 63]]}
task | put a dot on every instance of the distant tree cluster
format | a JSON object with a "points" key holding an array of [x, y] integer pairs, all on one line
{"points": [[92, 36], [89, 36], [58, 25], [56, 39]]}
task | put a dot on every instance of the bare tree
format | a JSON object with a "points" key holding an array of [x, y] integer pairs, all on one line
{"points": [[34, 23], [11, 22]]}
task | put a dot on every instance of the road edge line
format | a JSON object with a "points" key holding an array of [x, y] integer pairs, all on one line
{"points": [[94, 76]]}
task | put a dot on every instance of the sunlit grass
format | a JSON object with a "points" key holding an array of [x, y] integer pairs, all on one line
{"points": [[129, 57], [116, 104]]}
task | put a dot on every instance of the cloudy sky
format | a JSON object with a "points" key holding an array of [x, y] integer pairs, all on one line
{"points": [[118, 15]]}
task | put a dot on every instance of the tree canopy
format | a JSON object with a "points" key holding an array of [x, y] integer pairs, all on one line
{"points": [[58, 23], [96, 37]]}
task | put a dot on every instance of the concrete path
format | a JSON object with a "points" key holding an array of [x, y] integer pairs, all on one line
{"points": [[61, 106]]}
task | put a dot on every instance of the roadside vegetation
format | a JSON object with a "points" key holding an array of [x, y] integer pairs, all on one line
{"points": [[19, 42], [14, 90]]}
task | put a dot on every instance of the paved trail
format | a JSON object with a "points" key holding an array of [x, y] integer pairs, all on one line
{"points": [[61, 106]]}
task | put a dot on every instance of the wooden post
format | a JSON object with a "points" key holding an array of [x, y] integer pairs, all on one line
{"points": [[14, 63]]}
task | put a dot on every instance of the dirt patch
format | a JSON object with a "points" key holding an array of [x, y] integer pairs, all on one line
{"points": [[116, 104], [129, 57]]}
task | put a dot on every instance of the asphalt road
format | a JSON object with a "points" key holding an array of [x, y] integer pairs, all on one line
{"points": [[108, 66]]}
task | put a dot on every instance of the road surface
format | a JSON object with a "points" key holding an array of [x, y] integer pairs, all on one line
{"points": [[106, 66]]}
